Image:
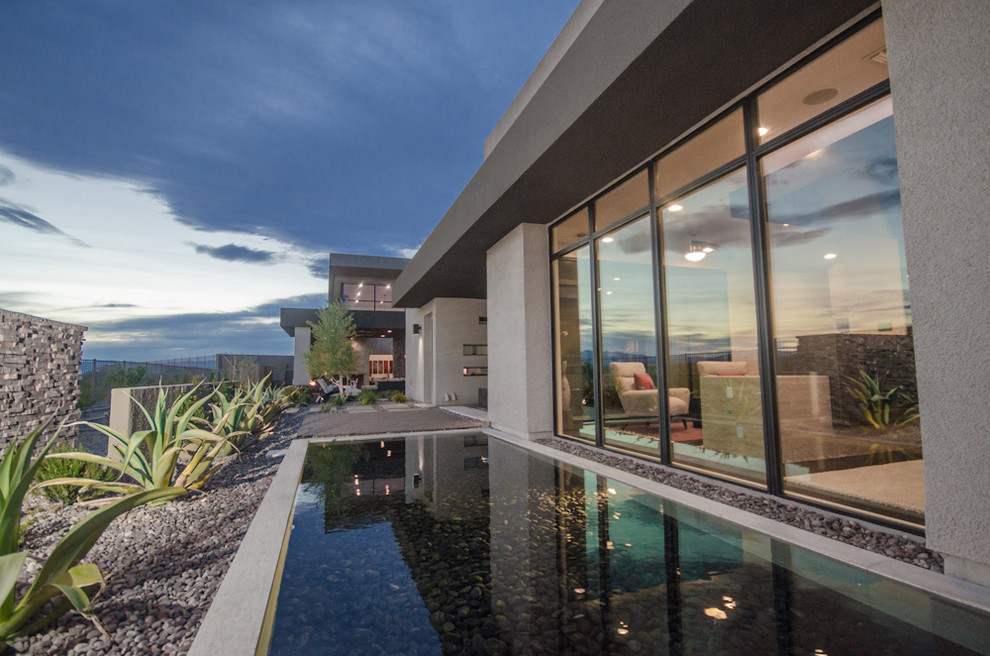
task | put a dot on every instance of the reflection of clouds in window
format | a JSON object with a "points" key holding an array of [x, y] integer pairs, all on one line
{"points": [[835, 232]]}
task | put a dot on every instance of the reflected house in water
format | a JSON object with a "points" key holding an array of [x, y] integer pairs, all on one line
{"points": [[465, 544], [702, 243]]}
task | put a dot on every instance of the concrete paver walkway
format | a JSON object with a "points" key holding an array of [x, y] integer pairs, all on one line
{"points": [[382, 418]]}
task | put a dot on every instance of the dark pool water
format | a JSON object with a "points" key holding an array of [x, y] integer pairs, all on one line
{"points": [[469, 545]]}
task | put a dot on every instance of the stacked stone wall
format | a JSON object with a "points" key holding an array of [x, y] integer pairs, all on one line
{"points": [[39, 375]]}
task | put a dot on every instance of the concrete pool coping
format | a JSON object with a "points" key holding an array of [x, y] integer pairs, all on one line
{"points": [[235, 620]]}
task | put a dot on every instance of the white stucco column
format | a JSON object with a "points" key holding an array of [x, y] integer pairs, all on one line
{"points": [[941, 90], [300, 372], [520, 394]]}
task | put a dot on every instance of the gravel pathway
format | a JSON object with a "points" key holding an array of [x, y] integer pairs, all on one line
{"points": [[163, 564], [899, 546]]}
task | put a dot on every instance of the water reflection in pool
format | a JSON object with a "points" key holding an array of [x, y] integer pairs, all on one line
{"points": [[461, 544]]}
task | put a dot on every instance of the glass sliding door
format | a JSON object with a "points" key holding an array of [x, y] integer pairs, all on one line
{"points": [[574, 345], [846, 394], [711, 329], [630, 398]]}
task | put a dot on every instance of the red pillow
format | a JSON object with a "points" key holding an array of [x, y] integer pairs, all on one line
{"points": [[740, 374], [644, 382]]}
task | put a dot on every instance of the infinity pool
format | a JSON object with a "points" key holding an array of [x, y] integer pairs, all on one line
{"points": [[470, 545]]}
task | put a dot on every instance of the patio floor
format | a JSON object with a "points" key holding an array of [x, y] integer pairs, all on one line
{"points": [[387, 418]]}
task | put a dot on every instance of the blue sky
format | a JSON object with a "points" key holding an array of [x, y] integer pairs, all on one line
{"points": [[171, 173]]}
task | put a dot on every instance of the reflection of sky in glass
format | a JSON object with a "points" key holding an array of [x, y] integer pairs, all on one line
{"points": [[837, 246], [625, 270], [710, 304]]}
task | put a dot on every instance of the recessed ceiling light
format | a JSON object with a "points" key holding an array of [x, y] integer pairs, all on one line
{"points": [[830, 256], [707, 249], [762, 131], [608, 293], [616, 279], [675, 207], [694, 256], [607, 240]]}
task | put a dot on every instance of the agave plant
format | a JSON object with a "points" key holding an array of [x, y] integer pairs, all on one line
{"points": [[884, 409], [17, 471], [174, 452], [62, 574], [245, 415]]}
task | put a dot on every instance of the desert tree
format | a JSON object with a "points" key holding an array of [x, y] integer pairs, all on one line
{"points": [[332, 353]]}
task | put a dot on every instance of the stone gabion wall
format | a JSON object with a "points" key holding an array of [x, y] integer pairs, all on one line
{"points": [[39, 374]]}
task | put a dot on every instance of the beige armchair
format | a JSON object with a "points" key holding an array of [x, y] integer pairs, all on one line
{"points": [[645, 402]]}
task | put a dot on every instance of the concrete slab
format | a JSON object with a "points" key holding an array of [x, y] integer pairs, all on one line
{"points": [[349, 422]]}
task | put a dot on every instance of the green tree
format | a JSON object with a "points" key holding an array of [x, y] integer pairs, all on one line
{"points": [[332, 353]]}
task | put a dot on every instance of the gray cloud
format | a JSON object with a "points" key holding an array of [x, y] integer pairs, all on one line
{"points": [[6, 176], [235, 253], [318, 266], [18, 216]]}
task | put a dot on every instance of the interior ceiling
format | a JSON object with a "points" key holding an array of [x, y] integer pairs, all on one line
{"points": [[713, 52]]}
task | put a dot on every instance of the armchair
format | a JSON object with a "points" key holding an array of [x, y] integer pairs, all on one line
{"points": [[646, 401]]}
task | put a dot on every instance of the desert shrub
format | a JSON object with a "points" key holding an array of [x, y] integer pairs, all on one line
{"points": [[367, 397], [52, 468], [398, 397]]}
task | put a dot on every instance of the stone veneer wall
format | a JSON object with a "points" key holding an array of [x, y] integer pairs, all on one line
{"points": [[39, 374]]}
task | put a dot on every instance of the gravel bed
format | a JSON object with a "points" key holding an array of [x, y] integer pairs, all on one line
{"points": [[163, 565], [901, 547]]}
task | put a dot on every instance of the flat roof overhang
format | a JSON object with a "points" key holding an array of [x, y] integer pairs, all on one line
{"points": [[368, 323], [704, 56], [375, 266]]}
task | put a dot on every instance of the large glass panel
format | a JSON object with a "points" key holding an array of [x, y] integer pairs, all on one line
{"points": [[711, 330], [569, 231], [852, 67], [846, 394], [631, 195], [718, 145], [573, 345], [629, 345]]}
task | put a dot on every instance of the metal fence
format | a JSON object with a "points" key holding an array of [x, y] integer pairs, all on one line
{"points": [[98, 377]]}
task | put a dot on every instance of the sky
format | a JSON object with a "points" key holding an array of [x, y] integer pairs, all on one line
{"points": [[174, 172]]}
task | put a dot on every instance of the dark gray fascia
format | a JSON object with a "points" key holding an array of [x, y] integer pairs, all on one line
{"points": [[291, 318]]}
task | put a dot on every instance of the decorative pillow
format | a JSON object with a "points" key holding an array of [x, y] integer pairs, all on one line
{"points": [[644, 382]]}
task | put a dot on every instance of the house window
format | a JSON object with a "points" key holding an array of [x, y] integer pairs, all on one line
{"points": [[362, 296], [379, 366], [475, 349], [475, 371], [776, 267]]}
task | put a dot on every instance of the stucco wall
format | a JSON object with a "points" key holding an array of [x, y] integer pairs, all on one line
{"points": [[940, 84], [300, 372], [520, 399], [39, 374], [455, 323]]}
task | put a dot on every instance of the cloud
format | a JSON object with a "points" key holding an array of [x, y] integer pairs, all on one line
{"points": [[235, 253], [6, 176], [318, 266], [18, 216], [400, 251], [855, 208]]}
